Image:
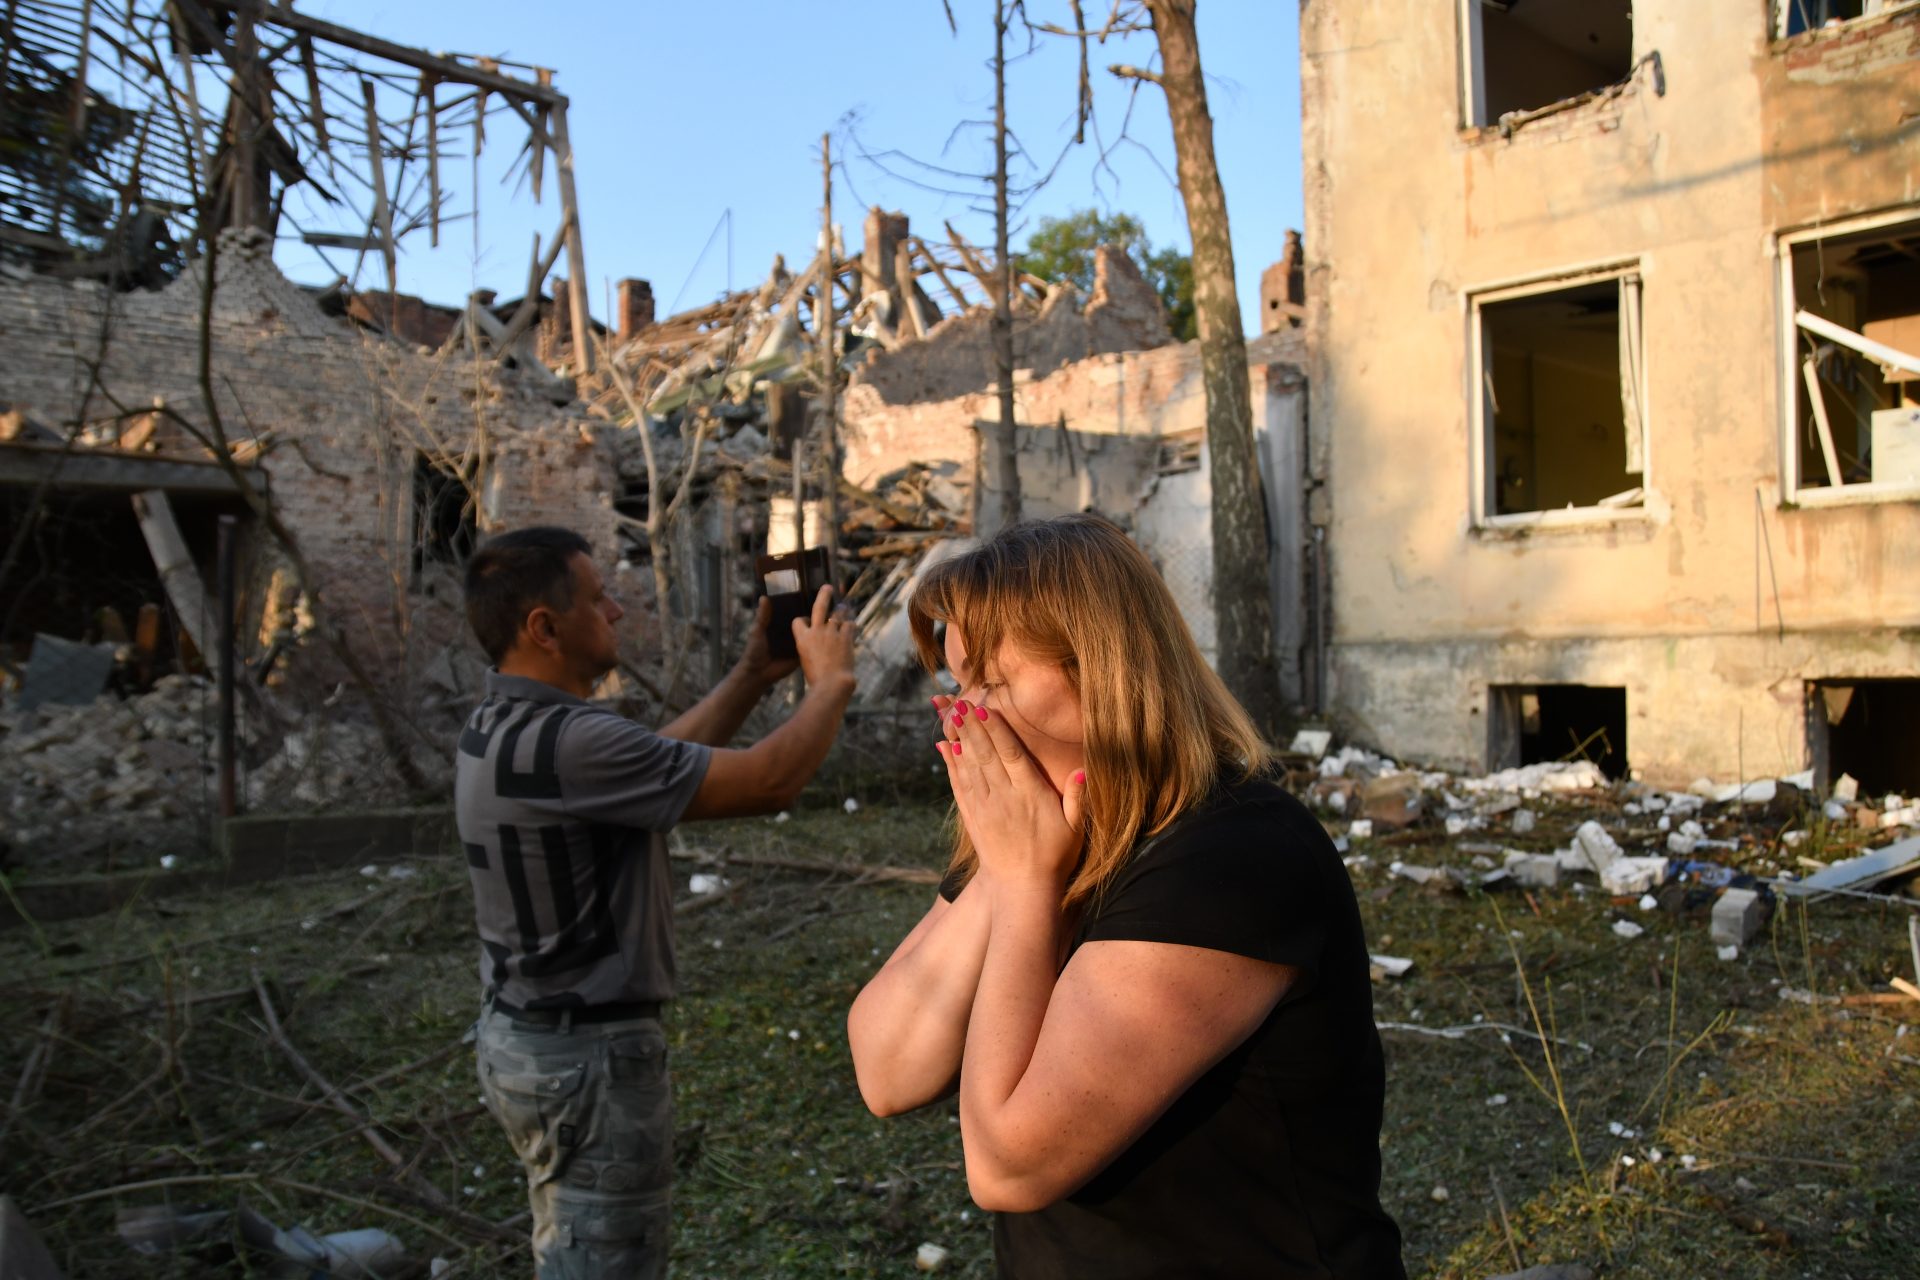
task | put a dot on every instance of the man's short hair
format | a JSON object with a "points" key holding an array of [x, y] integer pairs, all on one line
{"points": [[511, 575]]}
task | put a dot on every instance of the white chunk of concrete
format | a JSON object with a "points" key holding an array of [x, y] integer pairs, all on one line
{"points": [[1736, 917]]}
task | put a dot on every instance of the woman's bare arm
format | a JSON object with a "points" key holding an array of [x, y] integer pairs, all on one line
{"points": [[909, 1024]]}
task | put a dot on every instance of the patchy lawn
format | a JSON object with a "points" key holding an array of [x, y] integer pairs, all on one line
{"points": [[1720, 1129]]}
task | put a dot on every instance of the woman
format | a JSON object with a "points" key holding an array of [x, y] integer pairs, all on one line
{"points": [[1145, 969]]}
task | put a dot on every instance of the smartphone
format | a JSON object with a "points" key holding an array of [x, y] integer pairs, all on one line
{"points": [[791, 580]]}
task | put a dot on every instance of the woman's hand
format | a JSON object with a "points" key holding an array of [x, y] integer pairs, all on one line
{"points": [[1025, 833]]}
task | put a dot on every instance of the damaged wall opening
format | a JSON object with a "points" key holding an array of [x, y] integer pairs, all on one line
{"points": [[89, 576], [1867, 728], [1541, 723], [1562, 398], [1520, 55], [1853, 387], [1792, 17], [445, 529]]}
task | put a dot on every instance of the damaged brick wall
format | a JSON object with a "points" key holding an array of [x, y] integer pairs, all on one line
{"points": [[1150, 393], [341, 417], [1123, 435]]}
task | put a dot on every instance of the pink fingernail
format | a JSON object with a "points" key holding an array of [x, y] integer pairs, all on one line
{"points": [[962, 706], [956, 748], [1079, 777], [981, 712]]}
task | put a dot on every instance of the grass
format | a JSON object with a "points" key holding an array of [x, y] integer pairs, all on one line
{"points": [[1800, 1119]]}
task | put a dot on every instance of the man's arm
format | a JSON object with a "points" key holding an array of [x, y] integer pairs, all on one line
{"points": [[769, 775], [714, 719]]}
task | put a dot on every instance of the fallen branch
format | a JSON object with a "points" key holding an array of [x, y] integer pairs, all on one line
{"points": [[35, 1071], [257, 1179], [470, 1222], [1460, 1032], [328, 1092], [859, 871], [237, 993]]}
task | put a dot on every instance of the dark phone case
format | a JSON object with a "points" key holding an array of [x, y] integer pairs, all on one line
{"points": [[788, 605]]}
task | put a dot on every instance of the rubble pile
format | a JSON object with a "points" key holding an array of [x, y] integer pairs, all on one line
{"points": [[1719, 852], [63, 767], [120, 767]]}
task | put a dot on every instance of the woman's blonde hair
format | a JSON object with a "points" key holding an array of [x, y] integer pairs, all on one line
{"points": [[1160, 725]]}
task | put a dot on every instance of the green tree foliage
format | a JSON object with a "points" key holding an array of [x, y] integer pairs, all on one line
{"points": [[1062, 249]]}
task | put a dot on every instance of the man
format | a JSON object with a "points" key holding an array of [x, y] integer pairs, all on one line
{"points": [[563, 808]]}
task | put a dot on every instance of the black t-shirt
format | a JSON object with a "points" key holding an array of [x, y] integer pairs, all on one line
{"points": [[1269, 1165]]}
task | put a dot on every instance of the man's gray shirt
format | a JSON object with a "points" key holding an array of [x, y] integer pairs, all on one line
{"points": [[564, 808]]}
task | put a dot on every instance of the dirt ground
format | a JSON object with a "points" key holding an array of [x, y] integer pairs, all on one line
{"points": [[1680, 1118]]}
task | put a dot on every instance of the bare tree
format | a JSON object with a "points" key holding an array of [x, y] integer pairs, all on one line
{"points": [[1243, 604], [1006, 440]]}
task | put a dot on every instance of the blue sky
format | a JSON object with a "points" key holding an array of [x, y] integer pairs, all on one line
{"points": [[697, 127]]}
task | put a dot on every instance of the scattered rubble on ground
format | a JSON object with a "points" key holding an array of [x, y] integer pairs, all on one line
{"points": [[1717, 853]]}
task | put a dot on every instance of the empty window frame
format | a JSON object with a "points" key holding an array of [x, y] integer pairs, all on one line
{"points": [[1794, 17], [1850, 353], [1869, 729], [1518, 56], [1536, 724], [1561, 399], [444, 528]]}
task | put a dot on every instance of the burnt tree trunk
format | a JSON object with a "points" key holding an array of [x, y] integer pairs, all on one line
{"points": [[1243, 604]]}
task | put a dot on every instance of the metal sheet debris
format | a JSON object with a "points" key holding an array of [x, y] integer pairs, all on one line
{"points": [[1896, 859]]}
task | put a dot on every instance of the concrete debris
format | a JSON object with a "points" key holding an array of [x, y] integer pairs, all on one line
{"points": [[1393, 801], [65, 770], [1540, 779], [1312, 742], [1593, 849], [1627, 929], [1626, 875], [1737, 916], [1534, 870], [1761, 792], [1389, 966], [161, 1230]]}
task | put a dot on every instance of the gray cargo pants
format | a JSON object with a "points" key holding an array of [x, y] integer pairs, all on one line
{"points": [[589, 1110]]}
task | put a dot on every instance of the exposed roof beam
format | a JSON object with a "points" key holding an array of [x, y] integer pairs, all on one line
{"points": [[284, 15], [113, 472]]}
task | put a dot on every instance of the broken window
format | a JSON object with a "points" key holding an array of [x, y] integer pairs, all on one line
{"points": [[1852, 388], [1791, 17], [1562, 397], [1869, 729], [444, 529], [1537, 724], [1521, 55]]}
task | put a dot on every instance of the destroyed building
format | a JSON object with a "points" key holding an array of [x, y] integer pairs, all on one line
{"points": [[1615, 317], [1110, 416], [166, 388]]}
